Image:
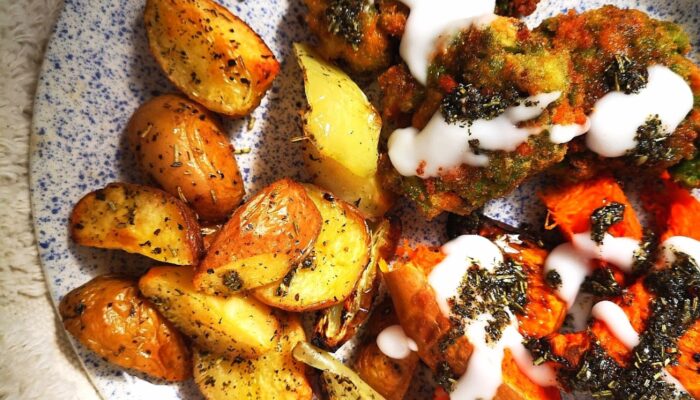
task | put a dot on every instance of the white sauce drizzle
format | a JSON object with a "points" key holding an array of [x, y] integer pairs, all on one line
{"points": [[561, 134], [680, 244], [573, 260], [484, 371], [616, 320], [620, 326], [441, 146], [394, 343], [617, 116], [428, 20]]}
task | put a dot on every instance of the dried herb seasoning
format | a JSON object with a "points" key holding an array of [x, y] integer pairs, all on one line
{"points": [[466, 103], [344, 19], [651, 143], [553, 279], [601, 283], [232, 281], [496, 293], [605, 217], [625, 75]]}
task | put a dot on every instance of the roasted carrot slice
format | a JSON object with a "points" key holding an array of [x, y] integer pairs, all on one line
{"points": [[571, 206], [674, 209], [517, 386]]}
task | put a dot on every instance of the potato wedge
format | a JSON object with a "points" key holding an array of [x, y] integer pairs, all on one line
{"points": [[137, 219], [211, 55], [182, 147], [233, 326], [262, 241], [328, 275], [343, 130], [109, 316], [271, 376], [337, 324]]}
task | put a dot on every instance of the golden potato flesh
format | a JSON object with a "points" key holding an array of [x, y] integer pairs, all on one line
{"points": [[262, 241], [232, 326], [211, 55], [109, 316], [343, 130], [275, 375], [137, 219], [181, 146], [329, 273]]}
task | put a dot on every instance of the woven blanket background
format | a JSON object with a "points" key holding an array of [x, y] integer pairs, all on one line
{"points": [[37, 360]]}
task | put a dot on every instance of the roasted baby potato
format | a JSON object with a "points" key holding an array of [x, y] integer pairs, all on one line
{"points": [[390, 377], [262, 241], [273, 375], [109, 316], [211, 55], [340, 382], [337, 324], [233, 326], [137, 219], [329, 273], [182, 147], [342, 130]]}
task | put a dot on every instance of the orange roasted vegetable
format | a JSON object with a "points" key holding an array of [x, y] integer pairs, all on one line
{"points": [[674, 209], [571, 206], [111, 318], [262, 241]]}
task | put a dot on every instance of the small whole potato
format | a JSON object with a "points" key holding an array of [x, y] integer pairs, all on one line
{"points": [[181, 146], [111, 318]]}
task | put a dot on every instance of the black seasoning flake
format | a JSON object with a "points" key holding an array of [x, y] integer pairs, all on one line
{"points": [[625, 75], [553, 279], [601, 283], [232, 281], [605, 217], [344, 20], [466, 104], [651, 143]]}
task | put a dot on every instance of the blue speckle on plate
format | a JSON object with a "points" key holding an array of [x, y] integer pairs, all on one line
{"points": [[98, 69]]}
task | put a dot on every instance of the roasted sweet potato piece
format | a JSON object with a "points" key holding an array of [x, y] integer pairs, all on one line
{"points": [[273, 375], [517, 386], [233, 326], [330, 272], [674, 209], [110, 317], [214, 57], [262, 241], [137, 219], [570, 207]]}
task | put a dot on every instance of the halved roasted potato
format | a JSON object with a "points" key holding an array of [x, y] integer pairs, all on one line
{"points": [[330, 271], [262, 241], [109, 316], [137, 219], [342, 128], [233, 326], [337, 324], [273, 375], [211, 55], [182, 147]]}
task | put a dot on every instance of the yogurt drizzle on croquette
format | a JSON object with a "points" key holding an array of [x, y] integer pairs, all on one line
{"points": [[483, 376], [617, 116], [441, 147]]}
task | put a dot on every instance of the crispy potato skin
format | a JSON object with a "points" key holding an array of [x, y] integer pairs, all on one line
{"points": [[138, 219], [234, 326], [262, 241], [211, 55], [109, 316], [182, 147], [339, 256], [273, 375]]}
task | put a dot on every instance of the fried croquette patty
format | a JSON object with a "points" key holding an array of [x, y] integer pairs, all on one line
{"points": [[584, 56], [364, 35]]}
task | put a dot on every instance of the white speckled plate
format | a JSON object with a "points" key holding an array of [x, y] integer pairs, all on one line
{"points": [[96, 72]]}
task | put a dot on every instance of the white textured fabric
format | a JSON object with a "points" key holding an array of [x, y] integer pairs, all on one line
{"points": [[37, 360]]}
